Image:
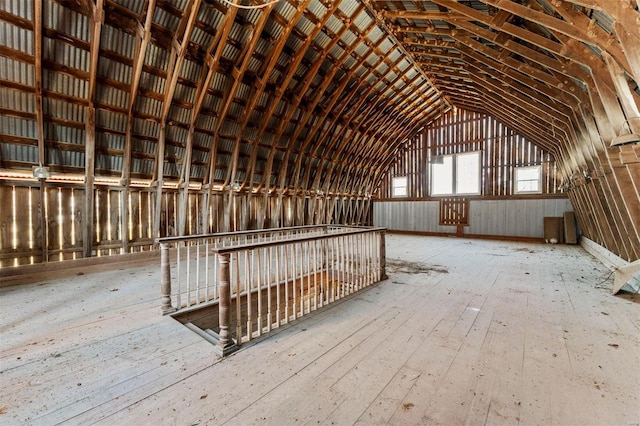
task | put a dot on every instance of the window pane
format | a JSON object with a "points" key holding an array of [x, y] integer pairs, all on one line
{"points": [[528, 186], [399, 186], [527, 179], [442, 177], [468, 173]]}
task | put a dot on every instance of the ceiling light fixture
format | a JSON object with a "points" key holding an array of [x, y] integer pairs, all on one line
{"points": [[41, 172], [625, 138]]}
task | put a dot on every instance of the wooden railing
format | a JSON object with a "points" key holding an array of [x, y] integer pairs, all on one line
{"points": [[260, 280]]}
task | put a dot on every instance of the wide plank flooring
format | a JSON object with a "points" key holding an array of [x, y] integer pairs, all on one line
{"points": [[463, 332]]}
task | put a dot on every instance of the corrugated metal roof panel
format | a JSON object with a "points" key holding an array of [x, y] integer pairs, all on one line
{"points": [[18, 101], [179, 114], [190, 70], [65, 84], [395, 54], [148, 106], [362, 50], [165, 19], [200, 37], [23, 153], [111, 120], [145, 127], [348, 7], [63, 109], [177, 134], [142, 166], [106, 162], [375, 34], [170, 169], [20, 8], [16, 38], [64, 134], [133, 5], [230, 128], [65, 54], [214, 103], [363, 20], [334, 24], [110, 140], [146, 146], [219, 82], [114, 70], [184, 93], [17, 71], [152, 82], [305, 26], [66, 158], [225, 145], [18, 127], [230, 52], [285, 9], [206, 122], [201, 139], [60, 18], [112, 96], [117, 41], [156, 57], [317, 8]]}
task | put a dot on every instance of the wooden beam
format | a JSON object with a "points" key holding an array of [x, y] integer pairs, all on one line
{"points": [[97, 17]]}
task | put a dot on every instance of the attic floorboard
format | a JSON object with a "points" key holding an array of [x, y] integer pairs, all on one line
{"points": [[463, 332]]}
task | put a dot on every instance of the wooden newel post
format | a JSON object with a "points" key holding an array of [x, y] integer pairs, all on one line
{"points": [[383, 256], [165, 279], [226, 344]]}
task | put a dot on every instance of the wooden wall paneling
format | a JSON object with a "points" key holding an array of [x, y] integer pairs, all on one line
{"points": [[6, 224], [22, 214], [65, 213]]}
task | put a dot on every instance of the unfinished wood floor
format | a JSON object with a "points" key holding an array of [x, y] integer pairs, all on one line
{"points": [[463, 332]]}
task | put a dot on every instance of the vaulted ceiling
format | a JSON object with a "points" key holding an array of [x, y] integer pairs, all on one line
{"points": [[307, 95]]}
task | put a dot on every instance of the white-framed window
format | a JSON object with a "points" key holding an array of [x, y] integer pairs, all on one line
{"points": [[528, 180], [399, 186], [456, 174]]}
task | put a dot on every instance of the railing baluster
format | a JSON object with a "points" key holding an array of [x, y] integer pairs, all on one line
{"points": [[188, 277], [259, 274], [165, 279], [236, 259], [278, 248], [206, 270], [286, 282], [178, 275], [249, 280], [197, 272], [268, 282], [294, 274], [225, 342]]}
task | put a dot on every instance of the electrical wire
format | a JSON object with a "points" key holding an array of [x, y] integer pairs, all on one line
{"points": [[257, 6]]}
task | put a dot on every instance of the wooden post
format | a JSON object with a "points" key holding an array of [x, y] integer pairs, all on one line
{"points": [[226, 345], [383, 256], [165, 279]]}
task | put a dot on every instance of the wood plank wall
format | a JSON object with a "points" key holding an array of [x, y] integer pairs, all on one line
{"points": [[23, 240], [462, 131]]}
